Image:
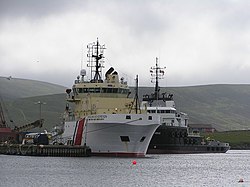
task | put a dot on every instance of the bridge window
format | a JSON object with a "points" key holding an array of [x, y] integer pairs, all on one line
{"points": [[114, 90], [97, 90], [89, 90], [104, 90], [123, 91], [82, 90]]}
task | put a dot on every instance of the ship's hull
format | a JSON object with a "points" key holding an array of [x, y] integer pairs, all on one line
{"points": [[175, 140], [7, 135], [187, 149], [116, 135]]}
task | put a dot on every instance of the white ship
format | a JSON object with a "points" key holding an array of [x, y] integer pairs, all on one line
{"points": [[105, 118]]}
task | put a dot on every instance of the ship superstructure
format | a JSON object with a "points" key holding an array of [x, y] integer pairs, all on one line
{"points": [[173, 135], [105, 117]]}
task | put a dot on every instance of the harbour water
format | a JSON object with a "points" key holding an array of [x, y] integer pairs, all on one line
{"points": [[154, 170]]}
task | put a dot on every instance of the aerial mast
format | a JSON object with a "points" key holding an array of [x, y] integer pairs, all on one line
{"points": [[95, 60], [156, 74], [136, 98]]}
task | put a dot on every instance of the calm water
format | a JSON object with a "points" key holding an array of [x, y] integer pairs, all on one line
{"points": [[155, 170]]}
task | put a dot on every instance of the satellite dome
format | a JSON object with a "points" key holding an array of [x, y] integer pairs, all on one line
{"points": [[83, 72]]}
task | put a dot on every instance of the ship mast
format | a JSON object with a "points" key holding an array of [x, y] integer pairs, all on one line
{"points": [[156, 70], [156, 74], [95, 60], [136, 98]]}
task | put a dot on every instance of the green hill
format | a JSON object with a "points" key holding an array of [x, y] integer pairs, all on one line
{"points": [[13, 88], [25, 110], [227, 107], [237, 139], [18, 98]]}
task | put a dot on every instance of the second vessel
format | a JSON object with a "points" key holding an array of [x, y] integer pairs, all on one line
{"points": [[173, 135]]}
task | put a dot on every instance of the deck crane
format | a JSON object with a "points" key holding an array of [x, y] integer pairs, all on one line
{"points": [[8, 134]]}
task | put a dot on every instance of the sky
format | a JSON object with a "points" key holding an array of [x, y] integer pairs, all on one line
{"points": [[199, 42]]}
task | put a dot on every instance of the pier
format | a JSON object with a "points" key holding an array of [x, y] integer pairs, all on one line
{"points": [[45, 150]]}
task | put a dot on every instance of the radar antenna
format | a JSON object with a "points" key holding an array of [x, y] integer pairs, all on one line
{"points": [[95, 60], [156, 74]]}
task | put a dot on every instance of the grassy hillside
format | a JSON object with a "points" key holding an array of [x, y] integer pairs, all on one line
{"points": [[236, 139], [227, 107], [18, 98], [13, 88], [25, 110]]}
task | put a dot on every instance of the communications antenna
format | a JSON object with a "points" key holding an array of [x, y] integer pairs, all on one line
{"points": [[96, 60], [157, 73]]}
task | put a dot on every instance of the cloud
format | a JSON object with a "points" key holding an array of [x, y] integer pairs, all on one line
{"points": [[36, 9], [200, 42]]}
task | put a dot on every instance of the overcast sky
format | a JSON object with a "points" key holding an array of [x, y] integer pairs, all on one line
{"points": [[199, 42]]}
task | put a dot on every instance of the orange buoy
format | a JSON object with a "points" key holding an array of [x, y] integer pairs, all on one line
{"points": [[241, 180], [134, 162]]}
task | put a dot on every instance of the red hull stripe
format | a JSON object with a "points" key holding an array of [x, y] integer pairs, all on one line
{"points": [[118, 154], [78, 139]]}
